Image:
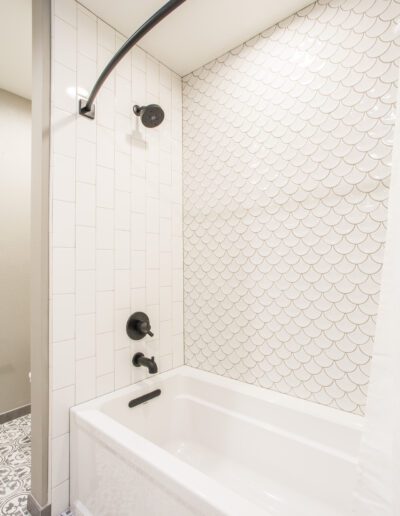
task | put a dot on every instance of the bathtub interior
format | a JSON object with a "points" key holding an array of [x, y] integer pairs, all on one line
{"points": [[294, 458]]}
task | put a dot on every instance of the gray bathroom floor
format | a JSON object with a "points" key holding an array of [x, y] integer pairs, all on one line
{"points": [[15, 466]]}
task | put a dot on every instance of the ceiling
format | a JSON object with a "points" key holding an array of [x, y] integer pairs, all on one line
{"points": [[16, 47], [199, 30], [196, 33]]}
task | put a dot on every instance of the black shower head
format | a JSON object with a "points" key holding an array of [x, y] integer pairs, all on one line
{"points": [[151, 115]]}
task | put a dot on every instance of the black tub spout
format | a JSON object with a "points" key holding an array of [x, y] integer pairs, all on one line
{"points": [[139, 360]]}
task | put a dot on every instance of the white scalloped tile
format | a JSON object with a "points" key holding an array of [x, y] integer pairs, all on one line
{"points": [[287, 156]]}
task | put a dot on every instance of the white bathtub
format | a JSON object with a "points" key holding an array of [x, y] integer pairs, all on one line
{"points": [[211, 446]]}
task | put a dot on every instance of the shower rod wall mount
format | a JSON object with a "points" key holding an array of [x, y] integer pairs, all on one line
{"points": [[86, 110], [86, 106]]}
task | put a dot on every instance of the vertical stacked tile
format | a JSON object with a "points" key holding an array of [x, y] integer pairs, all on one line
{"points": [[64, 203], [116, 228]]}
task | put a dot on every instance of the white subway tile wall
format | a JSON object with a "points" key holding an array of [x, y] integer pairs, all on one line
{"points": [[116, 207], [287, 157]]}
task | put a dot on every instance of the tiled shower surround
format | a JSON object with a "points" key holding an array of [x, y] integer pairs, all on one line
{"points": [[116, 240], [287, 146], [287, 155]]}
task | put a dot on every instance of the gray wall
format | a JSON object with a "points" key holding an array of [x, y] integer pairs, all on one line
{"points": [[15, 170]]}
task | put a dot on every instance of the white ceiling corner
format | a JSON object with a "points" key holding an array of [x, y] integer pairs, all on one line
{"points": [[199, 30], [195, 33]]}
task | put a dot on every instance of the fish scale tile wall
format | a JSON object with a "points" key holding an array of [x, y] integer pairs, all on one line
{"points": [[287, 157]]}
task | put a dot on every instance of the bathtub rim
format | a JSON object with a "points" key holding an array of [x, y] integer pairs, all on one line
{"points": [[347, 419], [158, 464]]}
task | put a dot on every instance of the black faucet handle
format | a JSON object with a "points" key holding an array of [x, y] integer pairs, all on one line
{"points": [[145, 328], [138, 326]]}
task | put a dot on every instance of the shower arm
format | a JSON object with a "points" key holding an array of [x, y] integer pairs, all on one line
{"points": [[86, 107]]}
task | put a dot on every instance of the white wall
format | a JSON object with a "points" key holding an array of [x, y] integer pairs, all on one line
{"points": [[287, 155], [15, 179], [116, 240]]}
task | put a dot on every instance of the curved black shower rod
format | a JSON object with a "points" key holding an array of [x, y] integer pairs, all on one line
{"points": [[86, 107]]}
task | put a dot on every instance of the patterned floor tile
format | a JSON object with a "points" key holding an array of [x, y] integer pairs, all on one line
{"points": [[15, 466]]}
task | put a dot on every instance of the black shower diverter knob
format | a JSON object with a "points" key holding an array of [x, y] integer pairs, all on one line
{"points": [[138, 326]]}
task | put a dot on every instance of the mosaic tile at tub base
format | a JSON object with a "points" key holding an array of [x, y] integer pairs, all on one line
{"points": [[15, 466], [287, 158]]}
